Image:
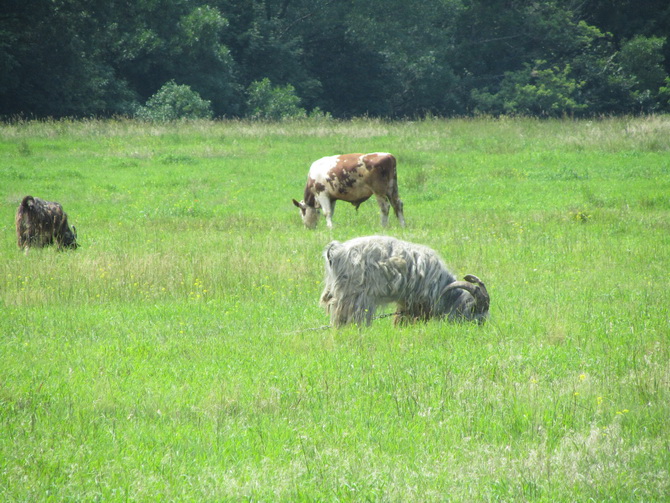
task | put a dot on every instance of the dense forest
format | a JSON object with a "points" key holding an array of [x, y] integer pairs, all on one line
{"points": [[341, 58]]}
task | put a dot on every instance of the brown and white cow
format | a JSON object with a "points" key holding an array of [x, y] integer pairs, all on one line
{"points": [[39, 223], [352, 178]]}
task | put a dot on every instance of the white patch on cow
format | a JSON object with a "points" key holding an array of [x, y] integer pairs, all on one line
{"points": [[318, 171]]}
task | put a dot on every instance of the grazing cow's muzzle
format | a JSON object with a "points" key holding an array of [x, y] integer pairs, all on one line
{"points": [[70, 238], [309, 215]]}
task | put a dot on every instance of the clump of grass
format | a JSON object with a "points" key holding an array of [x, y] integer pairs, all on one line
{"points": [[24, 149]]}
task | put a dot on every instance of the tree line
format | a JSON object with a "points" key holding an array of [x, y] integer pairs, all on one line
{"points": [[343, 58]]}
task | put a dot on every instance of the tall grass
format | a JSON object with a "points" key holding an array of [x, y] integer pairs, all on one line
{"points": [[177, 354]]}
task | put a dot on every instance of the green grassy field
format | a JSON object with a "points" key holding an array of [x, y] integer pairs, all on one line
{"points": [[175, 355]]}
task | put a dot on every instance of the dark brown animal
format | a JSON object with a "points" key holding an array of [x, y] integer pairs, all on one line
{"points": [[352, 178], [41, 223]]}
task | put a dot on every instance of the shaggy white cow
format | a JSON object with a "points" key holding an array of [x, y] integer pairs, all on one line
{"points": [[366, 272], [353, 178]]}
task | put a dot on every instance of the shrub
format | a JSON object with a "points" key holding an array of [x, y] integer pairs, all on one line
{"points": [[173, 102], [268, 102], [642, 58], [535, 90]]}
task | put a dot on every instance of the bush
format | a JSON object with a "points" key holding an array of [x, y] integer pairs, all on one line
{"points": [[642, 59], [173, 102], [535, 90], [266, 102]]}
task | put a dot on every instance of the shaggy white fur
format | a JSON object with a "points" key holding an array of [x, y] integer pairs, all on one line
{"points": [[366, 272]]}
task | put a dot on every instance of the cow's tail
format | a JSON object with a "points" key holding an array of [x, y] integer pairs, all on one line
{"points": [[393, 182], [393, 195]]}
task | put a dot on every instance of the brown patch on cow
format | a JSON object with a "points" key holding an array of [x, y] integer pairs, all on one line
{"points": [[348, 162], [343, 180], [345, 173], [309, 198], [384, 165]]}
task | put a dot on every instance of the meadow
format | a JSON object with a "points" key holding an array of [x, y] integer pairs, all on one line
{"points": [[180, 353]]}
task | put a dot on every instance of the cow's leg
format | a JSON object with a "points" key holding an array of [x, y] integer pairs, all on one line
{"points": [[328, 208], [384, 206]]}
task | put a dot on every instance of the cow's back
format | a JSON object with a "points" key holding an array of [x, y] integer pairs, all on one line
{"points": [[380, 172]]}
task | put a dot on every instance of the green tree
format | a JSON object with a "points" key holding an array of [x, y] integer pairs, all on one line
{"points": [[266, 40], [642, 59], [348, 57], [527, 57], [410, 50], [153, 42], [52, 61], [203, 61], [536, 90]]}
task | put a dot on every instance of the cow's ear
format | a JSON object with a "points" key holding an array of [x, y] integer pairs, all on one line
{"points": [[297, 204]]}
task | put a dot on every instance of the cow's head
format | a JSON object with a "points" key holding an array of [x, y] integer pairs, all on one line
{"points": [[70, 238], [309, 215]]}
